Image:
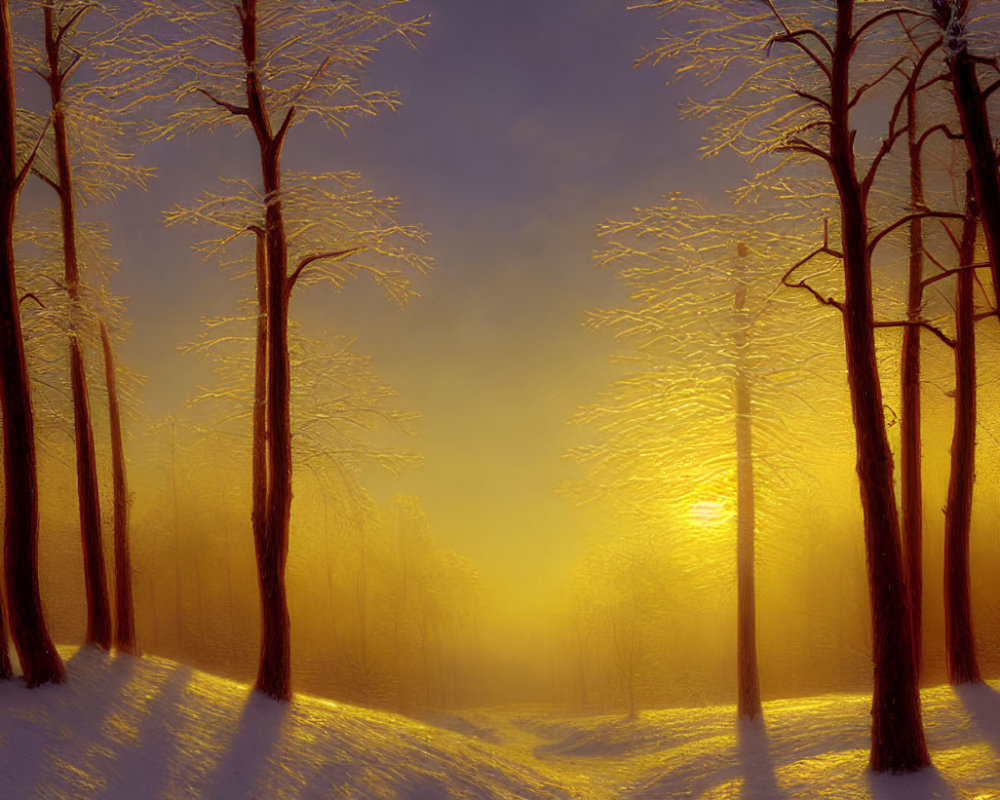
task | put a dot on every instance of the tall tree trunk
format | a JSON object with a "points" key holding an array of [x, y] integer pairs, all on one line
{"points": [[748, 699], [274, 671], [975, 122], [259, 454], [963, 666], [910, 457], [98, 610], [124, 607], [898, 743], [39, 659]]}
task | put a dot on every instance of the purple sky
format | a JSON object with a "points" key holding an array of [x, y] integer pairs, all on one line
{"points": [[524, 125]]}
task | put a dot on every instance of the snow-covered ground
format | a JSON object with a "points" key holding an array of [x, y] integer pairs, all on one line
{"points": [[150, 728]]}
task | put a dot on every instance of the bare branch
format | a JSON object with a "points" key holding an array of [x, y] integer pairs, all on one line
{"points": [[280, 135], [824, 250], [872, 84], [39, 174], [26, 169], [918, 323], [883, 15], [334, 254], [909, 217], [71, 22], [32, 296], [949, 272], [230, 107], [795, 144], [795, 37], [941, 126]]}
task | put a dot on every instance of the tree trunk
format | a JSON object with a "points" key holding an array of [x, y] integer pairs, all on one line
{"points": [[98, 611], [259, 453], [975, 122], [963, 666], [124, 607], [898, 743], [274, 672], [910, 456], [39, 659], [748, 701]]}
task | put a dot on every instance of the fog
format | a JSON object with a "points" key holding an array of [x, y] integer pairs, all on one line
{"points": [[512, 481]]}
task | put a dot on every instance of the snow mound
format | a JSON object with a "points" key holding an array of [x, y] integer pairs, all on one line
{"points": [[150, 728], [123, 727], [812, 748]]}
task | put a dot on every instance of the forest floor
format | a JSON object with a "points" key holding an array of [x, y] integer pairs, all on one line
{"points": [[150, 728]]}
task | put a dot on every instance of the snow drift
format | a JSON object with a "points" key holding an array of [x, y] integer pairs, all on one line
{"points": [[150, 728]]}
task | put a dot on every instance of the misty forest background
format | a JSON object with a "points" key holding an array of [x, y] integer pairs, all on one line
{"points": [[386, 612]]}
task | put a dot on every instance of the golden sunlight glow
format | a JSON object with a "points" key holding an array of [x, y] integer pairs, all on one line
{"points": [[706, 512]]}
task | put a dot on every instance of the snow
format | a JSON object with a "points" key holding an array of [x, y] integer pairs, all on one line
{"points": [[147, 728]]}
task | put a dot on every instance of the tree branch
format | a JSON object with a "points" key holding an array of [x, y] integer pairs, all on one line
{"points": [[795, 144], [949, 272], [941, 126], [825, 105], [64, 29], [305, 262], [23, 174], [824, 250], [918, 323], [908, 218], [280, 135], [39, 174], [230, 107], [795, 38], [865, 87], [892, 12], [32, 296], [77, 57]]}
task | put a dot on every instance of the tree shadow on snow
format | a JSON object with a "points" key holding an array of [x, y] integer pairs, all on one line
{"points": [[924, 785], [240, 770], [750, 759], [983, 705], [753, 746]]}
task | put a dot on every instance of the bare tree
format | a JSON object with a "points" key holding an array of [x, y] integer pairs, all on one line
{"points": [[952, 17], [963, 666], [266, 65], [83, 161], [804, 105], [38, 656], [709, 352]]}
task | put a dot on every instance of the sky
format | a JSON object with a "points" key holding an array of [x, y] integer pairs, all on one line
{"points": [[524, 125]]}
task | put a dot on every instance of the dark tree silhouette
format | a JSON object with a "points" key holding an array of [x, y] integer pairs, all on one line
{"points": [[963, 667], [124, 610], [61, 60], [802, 106], [38, 656], [911, 483], [748, 680], [970, 101], [281, 79]]}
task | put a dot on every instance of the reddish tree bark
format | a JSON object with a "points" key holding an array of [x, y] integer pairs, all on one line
{"points": [[124, 609], [898, 743], [259, 476], [39, 659], [963, 667], [748, 697], [98, 610], [910, 457], [970, 101], [271, 547]]}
